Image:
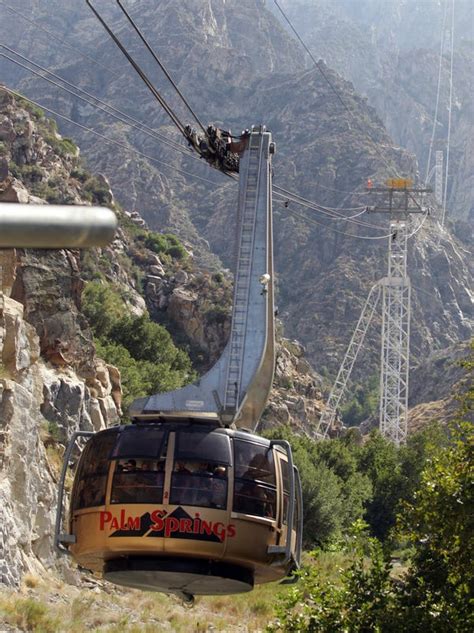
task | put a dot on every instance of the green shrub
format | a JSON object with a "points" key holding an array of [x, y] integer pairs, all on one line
{"points": [[361, 600], [14, 169], [54, 431], [52, 195], [97, 191], [29, 615], [217, 314], [103, 306], [79, 173], [138, 377], [363, 404], [149, 341], [33, 109], [62, 146], [164, 244], [143, 351], [334, 493]]}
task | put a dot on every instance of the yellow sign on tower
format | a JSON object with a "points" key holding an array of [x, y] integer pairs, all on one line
{"points": [[399, 183]]}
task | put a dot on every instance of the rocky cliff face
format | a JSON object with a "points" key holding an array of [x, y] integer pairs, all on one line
{"points": [[296, 398], [437, 384], [51, 383]]}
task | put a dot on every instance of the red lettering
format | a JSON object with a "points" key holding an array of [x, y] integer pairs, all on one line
{"points": [[196, 524], [206, 526], [185, 525], [171, 525], [104, 518], [133, 523], [230, 531], [115, 524], [158, 522], [219, 531], [122, 520]]}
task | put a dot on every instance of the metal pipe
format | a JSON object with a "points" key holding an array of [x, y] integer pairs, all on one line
{"points": [[59, 537], [55, 226]]}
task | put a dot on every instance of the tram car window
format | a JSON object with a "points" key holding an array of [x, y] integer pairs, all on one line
{"points": [[90, 485], [203, 446], [137, 442], [200, 482], [255, 480], [138, 481]]}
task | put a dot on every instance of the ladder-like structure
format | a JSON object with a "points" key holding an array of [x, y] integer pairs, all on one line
{"points": [[235, 390], [251, 172], [394, 364], [340, 385], [439, 177]]}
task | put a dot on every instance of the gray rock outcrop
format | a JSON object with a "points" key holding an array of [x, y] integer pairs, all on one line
{"points": [[39, 406]]}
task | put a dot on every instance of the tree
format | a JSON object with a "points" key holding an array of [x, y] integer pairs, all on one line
{"points": [[361, 600], [148, 341], [440, 525], [436, 595], [379, 460], [334, 493]]}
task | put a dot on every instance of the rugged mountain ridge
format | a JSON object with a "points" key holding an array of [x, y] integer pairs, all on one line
{"points": [[391, 54], [323, 153]]}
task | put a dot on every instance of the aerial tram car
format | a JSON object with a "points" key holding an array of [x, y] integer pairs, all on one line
{"points": [[187, 499]]}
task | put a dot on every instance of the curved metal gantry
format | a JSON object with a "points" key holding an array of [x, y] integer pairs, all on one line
{"points": [[235, 390]]}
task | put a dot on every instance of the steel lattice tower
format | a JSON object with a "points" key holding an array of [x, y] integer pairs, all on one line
{"points": [[394, 361], [396, 308], [396, 312]]}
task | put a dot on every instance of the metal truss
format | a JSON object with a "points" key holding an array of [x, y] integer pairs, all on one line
{"points": [[339, 388], [395, 337], [439, 178]]}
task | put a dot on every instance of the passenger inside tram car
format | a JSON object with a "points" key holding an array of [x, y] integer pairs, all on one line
{"points": [[255, 482], [138, 482], [193, 484]]}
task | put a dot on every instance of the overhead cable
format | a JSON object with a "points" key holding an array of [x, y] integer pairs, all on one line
{"points": [[182, 171], [450, 108], [324, 207], [331, 228], [336, 218], [332, 213], [120, 116], [420, 225], [109, 140], [435, 117], [160, 64], [350, 193], [85, 55], [60, 40], [295, 198], [139, 71], [336, 92]]}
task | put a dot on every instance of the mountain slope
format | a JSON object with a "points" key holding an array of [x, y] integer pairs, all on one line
{"points": [[237, 66]]}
